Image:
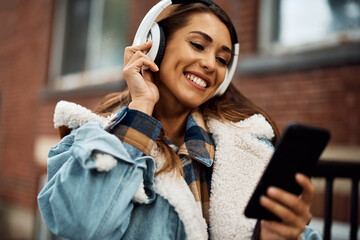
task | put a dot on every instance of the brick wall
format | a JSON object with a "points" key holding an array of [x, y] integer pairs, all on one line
{"points": [[24, 41], [327, 97]]}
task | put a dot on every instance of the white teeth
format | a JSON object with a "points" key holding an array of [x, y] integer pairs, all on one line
{"points": [[196, 80]]}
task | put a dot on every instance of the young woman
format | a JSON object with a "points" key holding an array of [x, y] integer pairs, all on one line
{"points": [[175, 162]]}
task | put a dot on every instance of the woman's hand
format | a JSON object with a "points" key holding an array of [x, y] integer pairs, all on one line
{"points": [[294, 211], [143, 91]]}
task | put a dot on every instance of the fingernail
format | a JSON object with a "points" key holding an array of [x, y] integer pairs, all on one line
{"points": [[299, 176], [271, 190], [263, 198]]}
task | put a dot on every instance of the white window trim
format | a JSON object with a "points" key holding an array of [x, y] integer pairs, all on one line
{"points": [[266, 25], [83, 79]]}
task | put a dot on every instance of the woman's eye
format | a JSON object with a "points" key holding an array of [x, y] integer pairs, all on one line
{"points": [[222, 61], [197, 46]]}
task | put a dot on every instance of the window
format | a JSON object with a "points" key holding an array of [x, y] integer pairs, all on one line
{"points": [[89, 40], [288, 26]]}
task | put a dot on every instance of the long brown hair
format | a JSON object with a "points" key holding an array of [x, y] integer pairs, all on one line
{"points": [[232, 106]]}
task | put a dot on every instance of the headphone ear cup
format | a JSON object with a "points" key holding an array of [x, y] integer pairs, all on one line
{"points": [[162, 45], [157, 35]]}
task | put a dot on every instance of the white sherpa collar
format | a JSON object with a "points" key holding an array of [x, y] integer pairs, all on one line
{"points": [[240, 159], [73, 115]]}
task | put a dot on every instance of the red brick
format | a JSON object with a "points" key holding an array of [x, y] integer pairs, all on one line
{"points": [[328, 97]]}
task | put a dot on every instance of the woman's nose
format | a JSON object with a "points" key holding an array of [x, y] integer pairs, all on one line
{"points": [[208, 63]]}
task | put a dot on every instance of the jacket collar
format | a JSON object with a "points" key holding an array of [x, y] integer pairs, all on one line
{"points": [[198, 143]]}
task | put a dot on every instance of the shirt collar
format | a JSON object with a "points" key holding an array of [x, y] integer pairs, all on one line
{"points": [[198, 143]]}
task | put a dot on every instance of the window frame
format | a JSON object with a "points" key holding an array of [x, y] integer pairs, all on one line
{"points": [[268, 30], [83, 79], [269, 59]]}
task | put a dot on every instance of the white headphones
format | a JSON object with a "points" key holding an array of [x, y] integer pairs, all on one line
{"points": [[150, 30]]}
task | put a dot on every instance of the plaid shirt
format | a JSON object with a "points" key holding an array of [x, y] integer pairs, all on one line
{"points": [[140, 131]]}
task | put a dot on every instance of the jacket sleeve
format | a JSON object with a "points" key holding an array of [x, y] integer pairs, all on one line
{"points": [[79, 202], [311, 234]]}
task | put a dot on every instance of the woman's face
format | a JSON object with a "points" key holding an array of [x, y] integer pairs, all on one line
{"points": [[195, 61]]}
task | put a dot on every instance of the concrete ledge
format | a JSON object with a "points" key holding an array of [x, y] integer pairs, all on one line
{"points": [[345, 153], [53, 94], [16, 223], [335, 56]]}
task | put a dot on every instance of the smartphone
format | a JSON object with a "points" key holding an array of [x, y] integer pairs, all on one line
{"points": [[297, 152]]}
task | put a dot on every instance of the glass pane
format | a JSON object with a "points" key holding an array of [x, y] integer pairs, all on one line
{"points": [[76, 30], [308, 21], [113, 34], [345, 14], [95, 35]]}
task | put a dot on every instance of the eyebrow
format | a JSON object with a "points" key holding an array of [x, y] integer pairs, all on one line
{"points": [[209, 39]]}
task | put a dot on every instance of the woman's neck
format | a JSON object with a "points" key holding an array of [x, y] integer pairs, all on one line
{"points": [[173, 116]]}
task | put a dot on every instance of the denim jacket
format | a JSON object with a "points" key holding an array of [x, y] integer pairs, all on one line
{"points": [[125, 201]]}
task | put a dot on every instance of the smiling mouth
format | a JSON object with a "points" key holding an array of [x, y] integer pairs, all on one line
{"points": [[197, 80]]}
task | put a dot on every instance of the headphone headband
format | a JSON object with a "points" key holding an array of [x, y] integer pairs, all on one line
{"points": [[150, 30]]}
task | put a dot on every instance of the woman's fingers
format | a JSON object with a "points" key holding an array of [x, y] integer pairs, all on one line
{"points": [[135, 62], [291, 226], [285, 214], [143, 91], [298, 204], [136, 66], [280, 230], [131, 50], [308, 192], [287, 199], [139, 55], [294, 211]]}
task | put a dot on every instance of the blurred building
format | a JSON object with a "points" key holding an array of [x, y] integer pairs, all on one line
{"points": [[299, 60]]}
